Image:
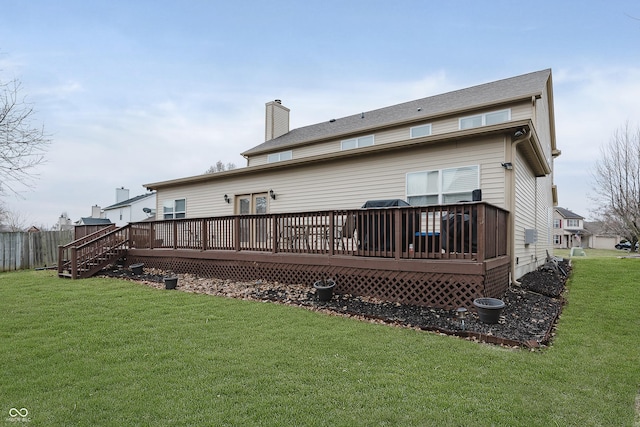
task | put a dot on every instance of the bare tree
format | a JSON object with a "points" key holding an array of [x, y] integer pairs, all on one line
{"points": [[22, 144], [220, 167], [617, 183], [13, 220]]}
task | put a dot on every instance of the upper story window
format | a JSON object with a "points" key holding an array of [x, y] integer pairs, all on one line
{"points": [[174, 209], [363, 141], [485, 119], [418, 131], [557, 223], [442, 186], [279, 157], [573, 223]]}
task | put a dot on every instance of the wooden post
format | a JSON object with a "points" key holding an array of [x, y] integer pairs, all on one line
{"points": [[236, 233], [175, 234], [204, 234], [331, 236], [74, 263], [481, 231], [398, 233]]}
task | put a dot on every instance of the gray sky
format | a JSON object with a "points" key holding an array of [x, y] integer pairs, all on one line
{"points": [[135, 92]]}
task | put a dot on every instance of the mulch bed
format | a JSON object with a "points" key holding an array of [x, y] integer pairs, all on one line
{"points": [[528, 319]]}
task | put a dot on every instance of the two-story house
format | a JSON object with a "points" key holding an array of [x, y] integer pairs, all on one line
{"points": [[569, 230], [497, 137], [130, 209]]}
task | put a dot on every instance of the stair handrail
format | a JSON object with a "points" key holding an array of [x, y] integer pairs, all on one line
{"points": [[74, 248]]}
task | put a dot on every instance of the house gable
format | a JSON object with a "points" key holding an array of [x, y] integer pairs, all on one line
{"points": [[393, 123]]}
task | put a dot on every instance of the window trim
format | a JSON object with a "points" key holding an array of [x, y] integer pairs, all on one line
{"points": [[411, 129], [483, 117], [440, 194], [572, 223], [174, 210], [279, 154], [357, 141]]}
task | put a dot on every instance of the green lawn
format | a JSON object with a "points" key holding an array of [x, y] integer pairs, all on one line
{"points": [[595, 253], [107, 352]]}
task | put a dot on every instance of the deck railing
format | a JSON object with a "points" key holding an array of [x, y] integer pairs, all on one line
{"points": [[87, 255], [467, 231]]}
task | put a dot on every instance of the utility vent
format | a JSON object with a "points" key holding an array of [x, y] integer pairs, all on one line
{"points": [[530, 236]]}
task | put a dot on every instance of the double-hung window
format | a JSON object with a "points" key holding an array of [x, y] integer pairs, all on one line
{"points": [[486, 119], [442, 186], [363, 141], [279, 157], [172, 209]]}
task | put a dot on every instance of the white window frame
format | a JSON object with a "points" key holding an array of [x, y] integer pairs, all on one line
{"points": [[280, 156], [170, 209], [483, 119], [557, 239], [572, 223], [415, 129], [557, 223], [440, 193], [362, 141]]}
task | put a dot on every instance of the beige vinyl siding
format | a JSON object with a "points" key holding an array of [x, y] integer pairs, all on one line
{"points": [[347, 183], [543, 126], [525, 216], [521, 111], [544, 221], [439, 126]]}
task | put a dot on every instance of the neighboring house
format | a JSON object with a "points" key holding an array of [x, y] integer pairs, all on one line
{"points": [[127, 210], [64, 223], [569, 230], [497, 137], [599, 238]]}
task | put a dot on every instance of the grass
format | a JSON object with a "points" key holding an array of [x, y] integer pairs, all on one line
{"points": [[108, 352], [595, 253]]}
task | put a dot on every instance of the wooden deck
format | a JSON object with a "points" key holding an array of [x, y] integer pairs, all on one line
{"points": [[444, 255]]}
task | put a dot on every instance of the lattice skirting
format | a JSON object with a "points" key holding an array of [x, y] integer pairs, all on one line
{"points": [[496, 281], [442, 290]]}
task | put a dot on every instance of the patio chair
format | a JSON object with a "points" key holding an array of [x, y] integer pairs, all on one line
{"points": [[293, 236], [345, 232]]}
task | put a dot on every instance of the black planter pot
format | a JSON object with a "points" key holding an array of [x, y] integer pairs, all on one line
{"points": [[136, 268], [489, 309], [170, 282], [324, 289]]}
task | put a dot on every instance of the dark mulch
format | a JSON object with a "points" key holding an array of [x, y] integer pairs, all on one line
{"points": [[528, 319]]}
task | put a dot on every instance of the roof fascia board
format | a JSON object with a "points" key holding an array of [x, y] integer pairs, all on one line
{"points": [[541, 167]]}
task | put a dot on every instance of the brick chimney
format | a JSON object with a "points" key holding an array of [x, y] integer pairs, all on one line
{"points": [[277, 120]]}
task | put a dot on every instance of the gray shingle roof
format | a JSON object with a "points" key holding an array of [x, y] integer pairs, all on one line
{"points": [[476, 96], [129, 201], [94, 221], [566, 213]]}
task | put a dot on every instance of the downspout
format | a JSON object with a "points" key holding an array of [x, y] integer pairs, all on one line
{"points": [[512, 200]]}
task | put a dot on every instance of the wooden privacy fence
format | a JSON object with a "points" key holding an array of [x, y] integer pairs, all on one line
{"points": [[22, 250]]}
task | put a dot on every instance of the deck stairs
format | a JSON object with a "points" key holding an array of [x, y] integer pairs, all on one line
{"points": [[88, 255]]}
